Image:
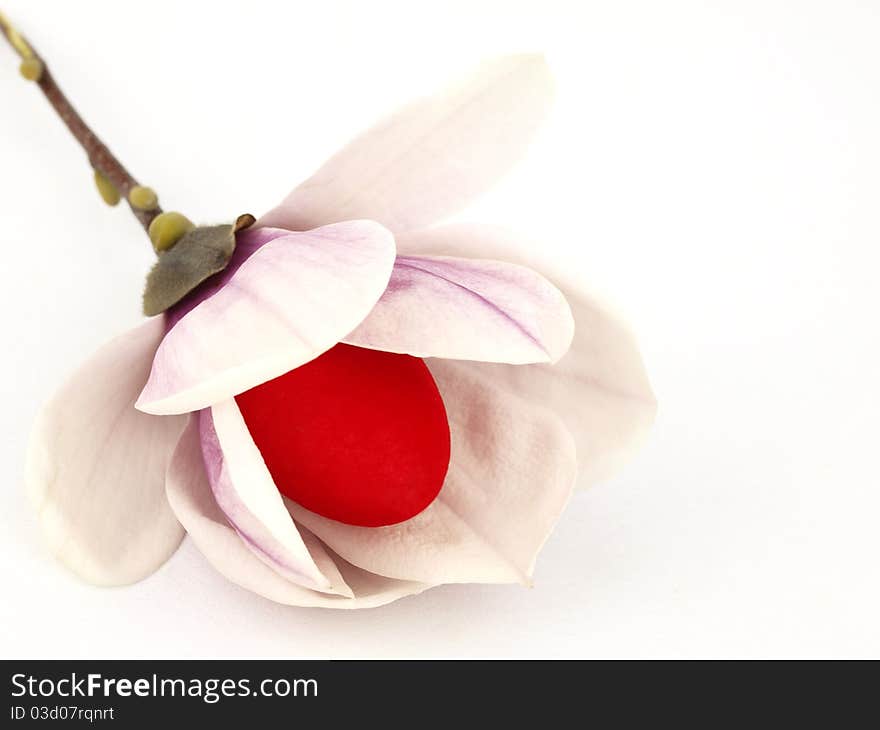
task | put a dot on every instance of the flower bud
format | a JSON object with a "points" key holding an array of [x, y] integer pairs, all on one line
{"points": [[143, 198], [31, 69], [167, 229], [106, 188]]}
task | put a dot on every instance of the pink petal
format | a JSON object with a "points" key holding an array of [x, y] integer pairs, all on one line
{"points": [[511, 473], [432, 157], [247, 243], [247, 496], [600, 388], [468, 309], [96, 467], [292, 300], [192, 500]]}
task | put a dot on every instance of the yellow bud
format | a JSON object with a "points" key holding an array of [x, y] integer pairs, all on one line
{"points": [[106, 188], [16, 39], [143, 198], [31, 69], [167, 229]]}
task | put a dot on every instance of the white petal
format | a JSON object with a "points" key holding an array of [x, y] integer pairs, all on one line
{"points": [[292, 300], [510, 476], [600, 388], [189, 494], [96, 467], [468, 309], [247, 496], [432, 157]]}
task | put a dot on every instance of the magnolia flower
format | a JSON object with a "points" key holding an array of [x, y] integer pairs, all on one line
{"points": [[363, 404]]}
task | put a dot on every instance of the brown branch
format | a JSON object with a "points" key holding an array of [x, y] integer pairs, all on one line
{"points": [[100, 157]]}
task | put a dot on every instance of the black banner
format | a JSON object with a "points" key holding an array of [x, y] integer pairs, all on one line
{"points": [[410, 694]]}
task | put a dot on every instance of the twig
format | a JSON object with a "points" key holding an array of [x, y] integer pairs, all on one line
{"points": [[100, 157]]}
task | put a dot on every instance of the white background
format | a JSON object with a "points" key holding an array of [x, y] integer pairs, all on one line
{"points": [[713, 166]]}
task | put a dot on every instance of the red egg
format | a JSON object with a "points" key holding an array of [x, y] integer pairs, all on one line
{"points": [[359, 436]]}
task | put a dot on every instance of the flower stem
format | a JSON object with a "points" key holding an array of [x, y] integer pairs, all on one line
{"points": [[100, 157]]}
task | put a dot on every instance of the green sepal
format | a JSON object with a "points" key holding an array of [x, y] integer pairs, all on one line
{"points": [[199, 254]]}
